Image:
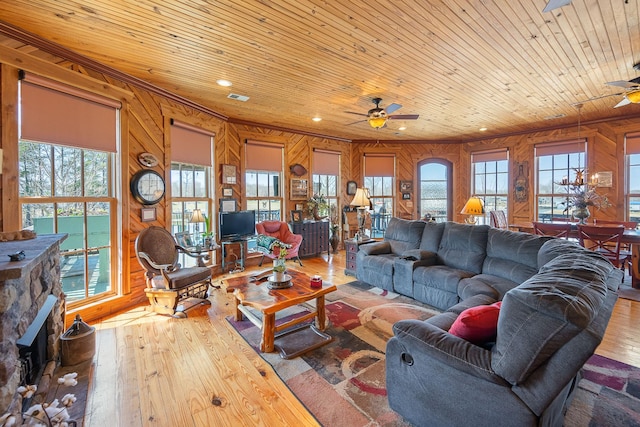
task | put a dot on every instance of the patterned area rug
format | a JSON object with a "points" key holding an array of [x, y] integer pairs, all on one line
{"points": [[343, 382]]}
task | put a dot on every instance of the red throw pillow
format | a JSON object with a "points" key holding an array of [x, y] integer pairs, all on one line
{"points": [[477, 324]]}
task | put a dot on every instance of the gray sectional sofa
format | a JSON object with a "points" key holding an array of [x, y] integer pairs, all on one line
{"points": [[556, 301]]}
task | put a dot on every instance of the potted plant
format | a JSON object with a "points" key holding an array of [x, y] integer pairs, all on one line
{"points": [[279, 267], [317, 207], [208, 239]]}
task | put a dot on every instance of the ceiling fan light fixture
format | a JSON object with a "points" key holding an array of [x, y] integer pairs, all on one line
{"points": [[377, 122], [634, 96]]}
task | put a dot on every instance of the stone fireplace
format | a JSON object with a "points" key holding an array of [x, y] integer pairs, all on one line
{"points": [[31, 313]]}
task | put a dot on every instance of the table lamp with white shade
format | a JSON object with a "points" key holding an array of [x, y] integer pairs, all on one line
{"points": [[473, 207], [361, 202], [197, 218]]}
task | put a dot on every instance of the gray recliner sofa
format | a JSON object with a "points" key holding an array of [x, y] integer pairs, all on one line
{"points": [[556, 298]]}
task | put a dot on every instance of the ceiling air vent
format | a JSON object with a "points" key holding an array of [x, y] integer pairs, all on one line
{"points": [[238, 97]]}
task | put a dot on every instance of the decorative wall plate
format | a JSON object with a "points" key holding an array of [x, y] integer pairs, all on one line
{"points": [[148, 160]]}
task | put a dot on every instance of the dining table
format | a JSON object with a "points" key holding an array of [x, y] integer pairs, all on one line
{"points": [[629, 236]]}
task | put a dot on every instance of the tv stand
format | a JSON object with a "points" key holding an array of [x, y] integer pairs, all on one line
{"points": [[238, 262]]}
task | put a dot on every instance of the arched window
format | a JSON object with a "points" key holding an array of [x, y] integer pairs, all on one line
{"points": [[435, 189]]}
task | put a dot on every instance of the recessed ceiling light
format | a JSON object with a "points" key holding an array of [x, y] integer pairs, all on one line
{"points": [[317, 119], [402, 128], [225, 83], [482, 129]]}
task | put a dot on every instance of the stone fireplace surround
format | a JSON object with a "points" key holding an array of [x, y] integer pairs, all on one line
{"points": [[24, 288]]}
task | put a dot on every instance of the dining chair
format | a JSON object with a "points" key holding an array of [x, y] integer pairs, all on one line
{"points": [[625, 249], [606, 240], [498, 219], [549, 229]]}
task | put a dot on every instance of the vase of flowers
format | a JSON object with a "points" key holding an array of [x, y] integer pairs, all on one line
{"points": [[580, 198], [279, 267]]}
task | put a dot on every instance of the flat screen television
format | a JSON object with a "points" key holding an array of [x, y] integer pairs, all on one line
{"points": [[237, 225]]}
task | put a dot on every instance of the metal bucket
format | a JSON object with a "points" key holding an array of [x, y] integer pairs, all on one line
{"points": [[78, 343]]}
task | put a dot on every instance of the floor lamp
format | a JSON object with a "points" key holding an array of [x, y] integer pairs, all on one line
{"points": [[473, 207], [361, 202]]}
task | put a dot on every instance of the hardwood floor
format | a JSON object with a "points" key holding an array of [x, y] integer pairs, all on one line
{"points": [[156, 370]]}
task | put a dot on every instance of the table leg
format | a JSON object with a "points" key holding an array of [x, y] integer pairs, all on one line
{"points": [[635, 266], [321, 315], [268, 333], [238, 312]]}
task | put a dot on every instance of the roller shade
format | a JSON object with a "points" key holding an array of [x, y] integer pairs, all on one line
{"points": [[490, 156], [52, 112], [326, 162], [633, 143], [190, 144], [263, 156], [564, 147], [379, 165]]}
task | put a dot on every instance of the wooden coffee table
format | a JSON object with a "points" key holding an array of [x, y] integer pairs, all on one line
{"points": [[256, 294]]}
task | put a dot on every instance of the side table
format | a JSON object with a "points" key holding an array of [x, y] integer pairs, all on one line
{"points": [[351, 248]]}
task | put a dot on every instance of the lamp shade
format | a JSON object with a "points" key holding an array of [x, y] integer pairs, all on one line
{"points": [[196, 216], [361, 199], [474, 206]]}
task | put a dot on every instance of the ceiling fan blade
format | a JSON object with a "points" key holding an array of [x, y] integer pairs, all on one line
{"points": [[359, 114], [625, 101], [404, 117], [622, 83], [392, 107], [359, 121], [555, 4]]}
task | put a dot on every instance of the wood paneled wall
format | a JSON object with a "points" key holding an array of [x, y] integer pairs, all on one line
{"points": [[145, 129]]}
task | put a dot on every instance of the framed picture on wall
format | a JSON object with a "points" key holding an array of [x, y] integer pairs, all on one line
{"points": [[228, 205], [352, 187], [296, 216], [228, 174], [227, 192], [299, 189], [406, 196]]}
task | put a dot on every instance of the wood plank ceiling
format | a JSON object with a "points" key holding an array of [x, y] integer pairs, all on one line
{"points": [[461, 65]]}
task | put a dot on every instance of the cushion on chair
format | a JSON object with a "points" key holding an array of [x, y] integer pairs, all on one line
{"points": [[265, 243], [188, 276]]}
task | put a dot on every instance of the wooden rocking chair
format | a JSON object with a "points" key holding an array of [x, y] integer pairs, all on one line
{"points": [[171, 288]]}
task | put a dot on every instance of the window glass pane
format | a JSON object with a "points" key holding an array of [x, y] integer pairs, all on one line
{"points": [[38, 217], [35, 169], [634, 209], [96, 175], [175, 180], [251, 180], [263, 184], [68, 171], [98, 225], [200, 181], [552, 171], [72, 272], [70, 220], [187, 182]]}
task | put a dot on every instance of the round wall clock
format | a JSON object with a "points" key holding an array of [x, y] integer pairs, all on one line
{"points": [[148, 160], [147, 187]]}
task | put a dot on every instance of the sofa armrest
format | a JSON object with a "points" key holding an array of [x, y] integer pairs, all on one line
{"points": [[421, 258], [376, 248], [424, 340]]}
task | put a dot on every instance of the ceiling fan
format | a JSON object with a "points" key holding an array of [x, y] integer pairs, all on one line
{"points": [[555, 4], [377, 117], [632, 93]]}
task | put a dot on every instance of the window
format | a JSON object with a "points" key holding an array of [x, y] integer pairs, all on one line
{"points": [[191, 185], [67, 156], [70, 190], [633, 177], [263, 179], [434, 177], [557, 165], [490, 171], [262, 191], [379, 175], [326, 168]]}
